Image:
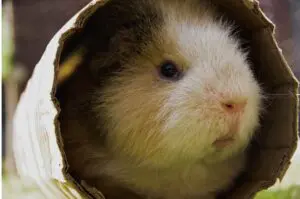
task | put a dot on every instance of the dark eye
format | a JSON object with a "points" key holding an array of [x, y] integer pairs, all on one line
{"points": [[169, 70]]}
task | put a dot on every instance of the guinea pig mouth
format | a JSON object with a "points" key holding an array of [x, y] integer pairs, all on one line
{"points": [[229, 138], [223, 141]]}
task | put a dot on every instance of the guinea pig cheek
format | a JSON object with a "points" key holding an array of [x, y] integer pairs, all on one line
{"points": [[191, 123]]}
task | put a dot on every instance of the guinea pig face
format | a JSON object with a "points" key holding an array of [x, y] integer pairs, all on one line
{"points": [[215, 104], [189, 95]]}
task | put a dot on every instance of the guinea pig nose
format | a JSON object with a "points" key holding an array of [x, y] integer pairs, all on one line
{"points": [[234, 106]]}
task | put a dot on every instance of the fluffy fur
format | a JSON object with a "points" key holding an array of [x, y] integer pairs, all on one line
{"points": [[154, 138]]}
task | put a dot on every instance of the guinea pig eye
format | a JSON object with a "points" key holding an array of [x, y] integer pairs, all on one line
{"points": [[170, 71]]}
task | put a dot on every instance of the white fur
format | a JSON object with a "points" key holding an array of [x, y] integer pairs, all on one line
{"points": [[161, 133]]}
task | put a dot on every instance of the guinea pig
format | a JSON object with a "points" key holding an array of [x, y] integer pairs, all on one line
{"points": [[167, 110]]}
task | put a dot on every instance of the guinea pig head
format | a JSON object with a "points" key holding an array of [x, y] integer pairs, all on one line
{"points": [[188, 94]]}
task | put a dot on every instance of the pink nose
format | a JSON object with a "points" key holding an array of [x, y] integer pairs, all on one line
{"points": [[234, 106]]}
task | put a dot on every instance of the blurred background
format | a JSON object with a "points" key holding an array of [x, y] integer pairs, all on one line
{"points": [[28, 26]]}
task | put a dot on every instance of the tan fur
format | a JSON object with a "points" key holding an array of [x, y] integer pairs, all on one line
{"points": [[158, 135]]}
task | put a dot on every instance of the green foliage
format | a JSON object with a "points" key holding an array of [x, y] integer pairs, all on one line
{"points": [[292, 192]]}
